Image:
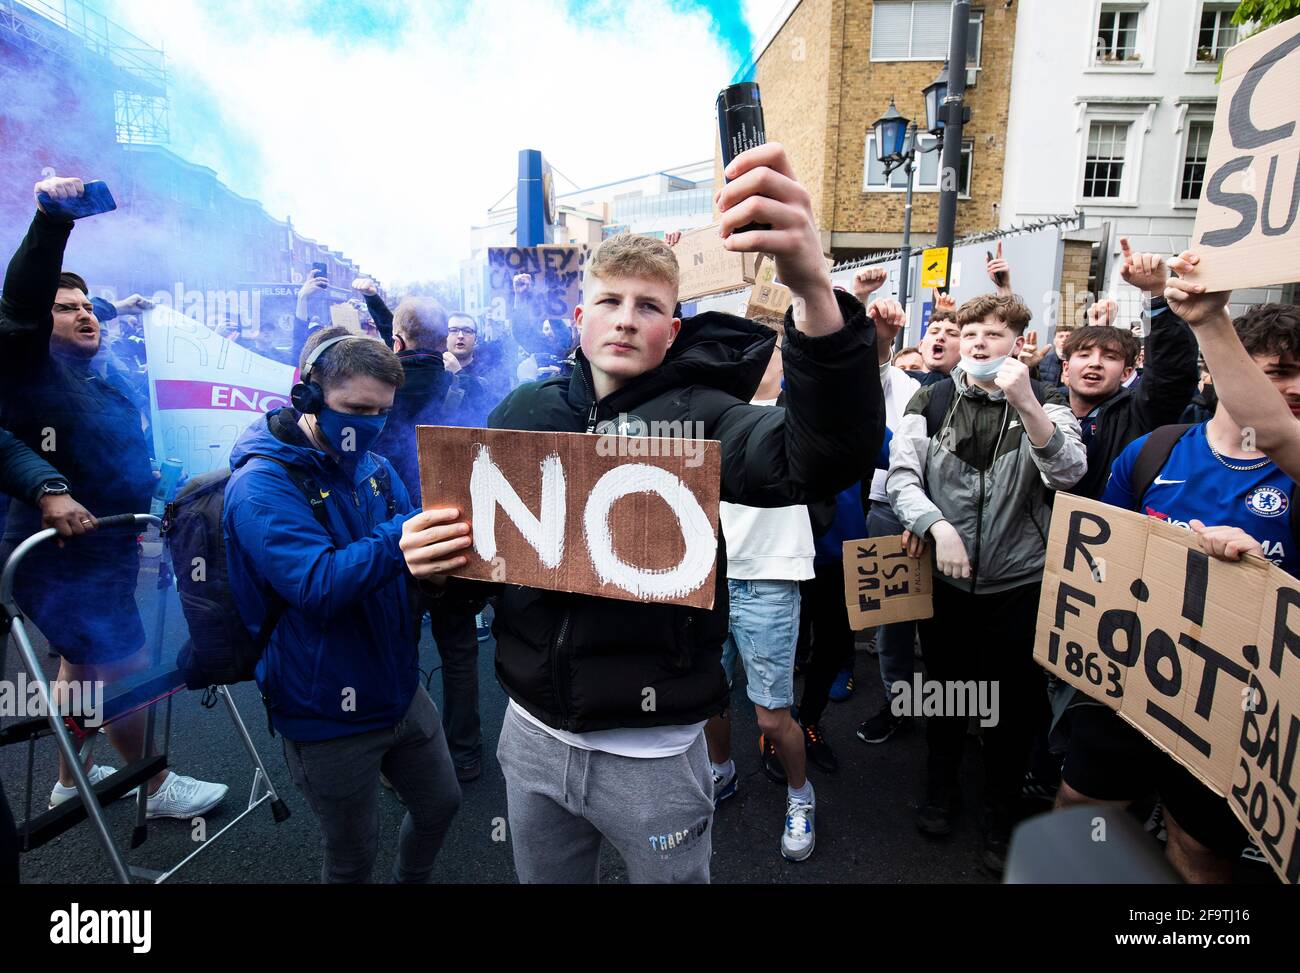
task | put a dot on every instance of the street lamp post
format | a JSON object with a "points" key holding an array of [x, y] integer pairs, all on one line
{"points": [[953, 115], [897, 145], [905, 259]]}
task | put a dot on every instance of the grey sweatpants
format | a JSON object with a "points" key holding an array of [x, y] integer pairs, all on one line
{"points": [[340, 779], [562, 800]]}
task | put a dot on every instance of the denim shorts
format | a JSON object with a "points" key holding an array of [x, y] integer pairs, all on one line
{"points": [[764, 631]]}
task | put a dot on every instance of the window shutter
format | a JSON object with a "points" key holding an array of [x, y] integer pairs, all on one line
{"points": [[930, 25], [891, 25]]}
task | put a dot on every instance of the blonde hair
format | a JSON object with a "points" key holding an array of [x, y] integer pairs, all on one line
{"points": [[633, 255], [421, 322]]}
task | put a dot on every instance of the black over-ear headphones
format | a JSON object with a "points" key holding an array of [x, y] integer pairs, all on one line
{"points": [[308, 397]]}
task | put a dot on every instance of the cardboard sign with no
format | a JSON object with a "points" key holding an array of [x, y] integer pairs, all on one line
{"points": [[882, 584], [709, 268], [631, 517], [1246, 232], [1201, 655]]}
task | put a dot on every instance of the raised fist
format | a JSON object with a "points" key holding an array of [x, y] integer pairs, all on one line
{"points": [[58, 187], [867, 281]]}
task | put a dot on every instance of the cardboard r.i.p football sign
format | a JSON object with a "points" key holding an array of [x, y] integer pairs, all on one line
{"points": [[1201, 655], [615, 516], [1246, 232], [883, 584]]}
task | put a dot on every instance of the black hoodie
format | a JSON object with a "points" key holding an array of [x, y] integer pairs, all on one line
{"points": [[582, 663]]}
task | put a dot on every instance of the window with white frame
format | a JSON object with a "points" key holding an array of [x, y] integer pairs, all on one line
{"points": [[874, 179], [917, 30], [975, 39], [1194, 157], [1103, 167], [1217, 32], [1118, 30], [925, 171]]}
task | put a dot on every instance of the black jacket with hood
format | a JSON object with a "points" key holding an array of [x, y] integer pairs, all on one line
{"points": [[1167, 386], [582, 663]]}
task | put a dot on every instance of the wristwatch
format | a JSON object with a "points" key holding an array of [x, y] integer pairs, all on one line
{"points": [[52, 488]]}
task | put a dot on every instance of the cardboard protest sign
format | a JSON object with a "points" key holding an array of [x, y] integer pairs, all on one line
{"points": [[709, 268], [768, 299], [556, 270], [1201, 655], [204, 390], [882, 584], [631, 517], [345, 316], [1246, 231]]}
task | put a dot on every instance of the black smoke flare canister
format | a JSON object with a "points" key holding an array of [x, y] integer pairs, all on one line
{"points": [[740, 126]]}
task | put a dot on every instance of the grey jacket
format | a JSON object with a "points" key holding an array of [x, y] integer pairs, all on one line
{"points": [[980, 473]]}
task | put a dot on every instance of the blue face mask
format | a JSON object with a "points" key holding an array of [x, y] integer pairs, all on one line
{"points": [[350, 436]]}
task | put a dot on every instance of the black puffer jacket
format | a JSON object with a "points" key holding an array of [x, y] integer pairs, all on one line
{"points": [[581, 663]]}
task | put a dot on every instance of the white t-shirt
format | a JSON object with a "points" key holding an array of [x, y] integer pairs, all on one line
{"points": [[767, 543], [899, 387], [633, 741]]}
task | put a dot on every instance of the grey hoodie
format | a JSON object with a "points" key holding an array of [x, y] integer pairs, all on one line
{"points": [[980, 473]]}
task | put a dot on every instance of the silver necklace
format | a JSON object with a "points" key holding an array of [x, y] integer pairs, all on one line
{"points": [[1257, 465]]}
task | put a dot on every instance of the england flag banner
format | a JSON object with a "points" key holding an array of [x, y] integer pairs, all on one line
{"points": [[205, 390]]}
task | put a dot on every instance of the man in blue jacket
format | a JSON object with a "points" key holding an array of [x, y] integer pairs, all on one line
{"points": [[340, 674]]}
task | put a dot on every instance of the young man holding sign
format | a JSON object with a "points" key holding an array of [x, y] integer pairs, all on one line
{"points": [[970, 466], [1209, 473], [608, 698]]}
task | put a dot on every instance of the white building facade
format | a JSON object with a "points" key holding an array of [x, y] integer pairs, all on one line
{"points": [[1112, 107]]}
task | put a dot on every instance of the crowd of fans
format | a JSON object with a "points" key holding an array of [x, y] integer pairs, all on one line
{"points": [[827, 432]]}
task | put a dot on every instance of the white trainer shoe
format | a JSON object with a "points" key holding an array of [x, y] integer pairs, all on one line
{"points": [[800, 829], [60, 793], [184, 797]]}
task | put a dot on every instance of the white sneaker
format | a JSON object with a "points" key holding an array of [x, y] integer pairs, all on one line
{"points": [[184, 797], [60, 793], [800, 833]]}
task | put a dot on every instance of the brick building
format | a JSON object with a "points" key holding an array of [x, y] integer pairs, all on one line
{"points": [[827, 70], [84, 97]]}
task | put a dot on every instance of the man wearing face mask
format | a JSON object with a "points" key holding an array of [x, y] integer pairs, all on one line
{"points": [[340, 675], [970, 467]]}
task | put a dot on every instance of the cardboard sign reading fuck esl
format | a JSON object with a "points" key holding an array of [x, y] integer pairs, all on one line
{"points": [[631, 517], [883, 584], [1201, 655], [1247, 233]]}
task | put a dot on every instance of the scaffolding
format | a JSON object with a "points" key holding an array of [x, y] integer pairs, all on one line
{"points": [[75, 32]]}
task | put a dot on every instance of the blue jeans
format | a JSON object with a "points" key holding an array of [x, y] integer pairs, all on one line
{"points": [[896, 643], [764, 630]]}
